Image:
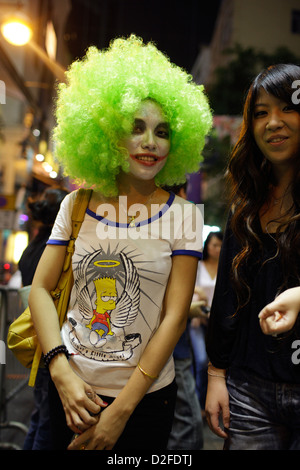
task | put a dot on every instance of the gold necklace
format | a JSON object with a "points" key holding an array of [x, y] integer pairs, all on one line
{"points": [[131, 219], [131, 223]]}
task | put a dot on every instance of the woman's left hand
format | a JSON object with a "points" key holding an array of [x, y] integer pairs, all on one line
{"points": [[103, 435], [280, 315]]}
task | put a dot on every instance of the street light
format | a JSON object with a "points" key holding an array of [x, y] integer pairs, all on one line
{"points": [[17, 30]]}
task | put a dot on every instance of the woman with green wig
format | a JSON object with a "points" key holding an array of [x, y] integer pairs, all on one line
{"points": [[128, 122]]}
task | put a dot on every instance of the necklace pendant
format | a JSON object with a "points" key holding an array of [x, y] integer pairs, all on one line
{"points": [[132, 222]]}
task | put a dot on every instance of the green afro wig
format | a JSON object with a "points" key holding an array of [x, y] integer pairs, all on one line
{"points": [[96, 107]]}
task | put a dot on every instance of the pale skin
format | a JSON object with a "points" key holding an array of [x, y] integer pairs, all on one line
{"points": [[280, 315], [199, 297], [103, 431], [276, 130]]}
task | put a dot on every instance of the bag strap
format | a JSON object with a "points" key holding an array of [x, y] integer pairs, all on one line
{"points": [[78, 213], [79, 208], [80, 205]]}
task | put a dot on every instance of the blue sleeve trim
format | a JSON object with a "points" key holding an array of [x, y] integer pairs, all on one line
{"points": [[198, 254], [57, 242]]}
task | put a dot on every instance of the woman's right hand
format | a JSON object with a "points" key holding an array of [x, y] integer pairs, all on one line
{"points": [[217, 405], [280, 315], [80, 402]]}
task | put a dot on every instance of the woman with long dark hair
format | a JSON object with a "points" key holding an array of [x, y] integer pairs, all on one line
{"points": [[253, 383]]}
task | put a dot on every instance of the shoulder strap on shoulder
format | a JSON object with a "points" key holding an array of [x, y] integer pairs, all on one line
{"points": [[80, 205]]}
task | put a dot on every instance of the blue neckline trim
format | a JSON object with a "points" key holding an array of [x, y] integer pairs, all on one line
{"points": [[139, 224]]}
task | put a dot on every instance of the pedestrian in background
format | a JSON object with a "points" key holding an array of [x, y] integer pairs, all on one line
{"points": [[43, 212], [205, 286]]}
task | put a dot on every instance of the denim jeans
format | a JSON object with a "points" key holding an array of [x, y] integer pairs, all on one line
{"points": [[263, 415], [187, 429], [39, 436], [197, 336]]}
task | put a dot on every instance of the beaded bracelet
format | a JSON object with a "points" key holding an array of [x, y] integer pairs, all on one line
{"points": [[54, 352]]}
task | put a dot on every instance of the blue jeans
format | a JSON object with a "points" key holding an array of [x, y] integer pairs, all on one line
{"points": [[39, 436], [187, 429], [197, 337], [263, 415]]}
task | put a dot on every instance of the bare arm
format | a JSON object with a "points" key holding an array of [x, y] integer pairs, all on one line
{"points": [[280, 315], [42, 308], [72, 390], [217, 401], [177, 300]]}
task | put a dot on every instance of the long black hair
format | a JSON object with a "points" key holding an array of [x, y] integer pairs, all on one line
{"points": [[250, 176]]}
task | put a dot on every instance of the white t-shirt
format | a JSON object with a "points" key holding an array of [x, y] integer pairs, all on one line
{"points": [[120, 277], [205, 281]]}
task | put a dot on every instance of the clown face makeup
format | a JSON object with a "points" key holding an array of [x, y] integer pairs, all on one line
{"points": [[149, 143]]}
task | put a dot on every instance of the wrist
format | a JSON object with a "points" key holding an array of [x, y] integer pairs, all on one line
{"points": [[50, 355], [215, 372], [59, 367], [123, 409], [133, 392]]}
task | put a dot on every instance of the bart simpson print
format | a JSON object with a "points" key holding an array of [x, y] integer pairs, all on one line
{"points": [[108, 296], [100, 324]]}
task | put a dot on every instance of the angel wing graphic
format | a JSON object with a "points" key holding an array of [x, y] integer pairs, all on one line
{"points": [[83, 297], [127, 305]]}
